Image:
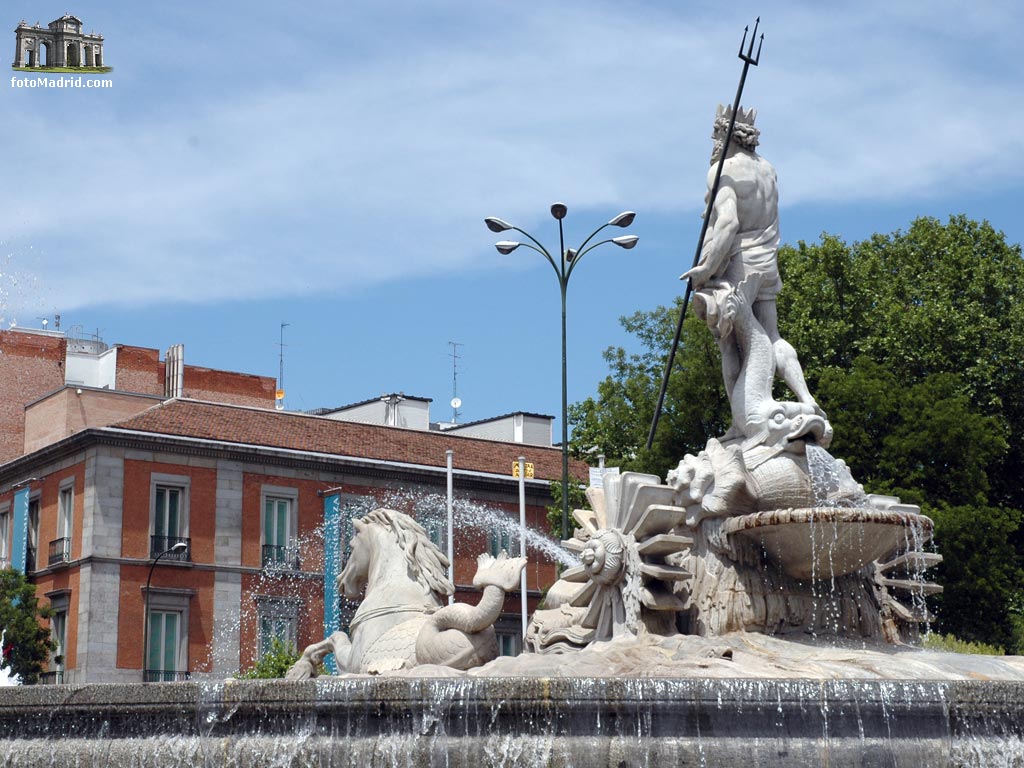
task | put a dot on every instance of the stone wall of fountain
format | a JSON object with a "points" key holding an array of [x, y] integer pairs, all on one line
{"points": [[517, 722]]}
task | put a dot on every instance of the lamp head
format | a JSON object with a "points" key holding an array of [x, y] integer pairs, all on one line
{"points": [[558, 210], [624, 219], [496, 225], [181, 545], [626, 241], [506, 246]]}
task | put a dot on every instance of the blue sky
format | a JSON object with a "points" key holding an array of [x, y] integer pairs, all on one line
{"points": [[330, 165]]}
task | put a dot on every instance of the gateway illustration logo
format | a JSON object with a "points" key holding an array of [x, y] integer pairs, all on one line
{"points": [[60, 46]]}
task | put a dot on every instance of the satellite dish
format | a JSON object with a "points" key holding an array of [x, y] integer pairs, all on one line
{"points": [[456, 402]]}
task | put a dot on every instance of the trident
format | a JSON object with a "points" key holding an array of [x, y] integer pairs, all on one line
{"points": [[749, 58]]}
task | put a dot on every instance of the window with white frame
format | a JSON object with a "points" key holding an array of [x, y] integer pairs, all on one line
{"points": [[278, 619], [279, 527], [169, 519]]}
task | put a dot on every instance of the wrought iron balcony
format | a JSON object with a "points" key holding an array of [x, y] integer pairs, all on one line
{"points": [[30, 559], [165, 676], [158, 544], [60, 551], [56, 677], [286, 558]]}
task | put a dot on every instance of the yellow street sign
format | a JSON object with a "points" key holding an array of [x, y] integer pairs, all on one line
{"points": [[529, 469]]}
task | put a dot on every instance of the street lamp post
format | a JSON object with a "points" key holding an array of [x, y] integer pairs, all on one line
{"points": [[180, 546], [563, 266]]}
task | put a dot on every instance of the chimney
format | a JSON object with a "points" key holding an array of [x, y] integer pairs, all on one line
{"points": [[174, 371]]}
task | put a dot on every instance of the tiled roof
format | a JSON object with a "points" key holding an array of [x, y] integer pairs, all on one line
{"points": [[256, 426]]}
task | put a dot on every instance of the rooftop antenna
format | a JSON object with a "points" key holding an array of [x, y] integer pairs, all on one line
{"points": [[456, 401], [279, 395]]}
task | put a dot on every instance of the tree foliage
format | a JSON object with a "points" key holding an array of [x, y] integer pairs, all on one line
{"points": [[913, 343], [27, 643], [275, 663]]}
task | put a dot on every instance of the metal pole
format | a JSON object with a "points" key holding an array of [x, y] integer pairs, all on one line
{"points": [[564, 284], [748, 59], [451, 525], [522, 534]]}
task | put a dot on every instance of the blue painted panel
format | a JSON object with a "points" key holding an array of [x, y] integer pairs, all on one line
{"points": [[332, 567], [19, 543]]}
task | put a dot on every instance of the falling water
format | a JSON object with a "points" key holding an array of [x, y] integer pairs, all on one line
{"points": [[831, 481]]}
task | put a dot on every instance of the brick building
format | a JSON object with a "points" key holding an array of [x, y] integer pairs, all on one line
{"points": [[106, 480]]}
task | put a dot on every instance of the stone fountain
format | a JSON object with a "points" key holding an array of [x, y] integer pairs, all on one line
{"points": [[757, 608]]}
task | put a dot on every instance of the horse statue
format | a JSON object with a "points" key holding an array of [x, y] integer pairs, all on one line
{"points": [[402, 621]]}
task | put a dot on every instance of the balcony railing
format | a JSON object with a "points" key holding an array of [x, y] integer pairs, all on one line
{"points": [[158, 544], [60, 551], [5, 563], [164, 676], [286, 558], [30, 559], [55, 677]]}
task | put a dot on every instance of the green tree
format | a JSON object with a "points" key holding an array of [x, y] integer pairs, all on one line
{"points": [[27, 643], [913, 343], [618, 420], [577, 500], [274, 663]]}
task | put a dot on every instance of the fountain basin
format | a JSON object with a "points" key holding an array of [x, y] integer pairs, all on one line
{"points": [[515, 722], [821, 543]]}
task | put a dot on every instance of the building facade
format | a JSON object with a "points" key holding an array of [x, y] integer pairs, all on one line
{"points": [[176, 537]]}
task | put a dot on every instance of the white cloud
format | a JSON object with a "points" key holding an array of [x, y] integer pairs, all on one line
{"points": [[380, 163]]}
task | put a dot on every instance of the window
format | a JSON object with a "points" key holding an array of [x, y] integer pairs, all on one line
{"points": [[437, 532], [33, 535], [508, 644], [278, 620], [164, 642], [503, 539], [58, 633], [5, 529], [60, 548], [279, 524], [65, 511], [167, 636], [169, 521]]}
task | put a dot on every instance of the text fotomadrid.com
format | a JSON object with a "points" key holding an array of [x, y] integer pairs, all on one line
{"points": [[61, 82]]}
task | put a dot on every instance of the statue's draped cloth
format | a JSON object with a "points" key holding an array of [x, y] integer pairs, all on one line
{"points": [[752, 271]]}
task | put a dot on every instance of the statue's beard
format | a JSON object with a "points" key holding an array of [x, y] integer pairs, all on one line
{"points": [[716, 151]]}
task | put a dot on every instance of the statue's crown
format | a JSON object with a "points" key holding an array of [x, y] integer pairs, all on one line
{"points": [[744, 116]]}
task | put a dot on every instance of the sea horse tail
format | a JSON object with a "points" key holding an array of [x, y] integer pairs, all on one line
{"points": [[462, 635]]}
